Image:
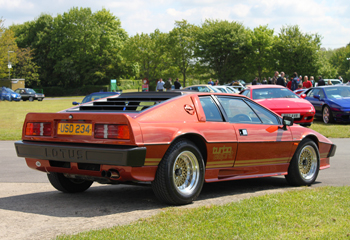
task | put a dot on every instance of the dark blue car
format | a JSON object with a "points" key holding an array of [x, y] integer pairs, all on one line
{"points": [[332, 103], [95, 96], [9, 95]]}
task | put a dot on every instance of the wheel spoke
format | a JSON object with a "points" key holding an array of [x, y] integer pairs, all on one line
{"points": [[186, 172]]}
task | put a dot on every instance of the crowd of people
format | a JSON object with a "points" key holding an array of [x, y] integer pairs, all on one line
{"points": [[294, 83], [161, 85]]}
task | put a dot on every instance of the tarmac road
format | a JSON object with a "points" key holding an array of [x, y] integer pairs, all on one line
{"points": [[30, 208]]}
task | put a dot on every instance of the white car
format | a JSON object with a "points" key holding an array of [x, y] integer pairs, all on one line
{"points": [[226, 89]]}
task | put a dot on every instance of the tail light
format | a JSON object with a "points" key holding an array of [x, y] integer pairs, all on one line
{"points": [[112, 131], [38, 129]]}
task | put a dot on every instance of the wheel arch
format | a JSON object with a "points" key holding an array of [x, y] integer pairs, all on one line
{"points": [[312, 138], [198, 140]]}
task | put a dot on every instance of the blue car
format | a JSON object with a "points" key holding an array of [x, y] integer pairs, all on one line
{"points": [[332, 103], [9, 95], [95, 96]]}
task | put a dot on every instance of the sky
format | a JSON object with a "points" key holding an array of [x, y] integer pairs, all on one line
{"points": [[328, 18]]}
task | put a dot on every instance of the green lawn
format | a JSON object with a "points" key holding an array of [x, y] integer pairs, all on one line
{"points": [[310, 213], [331, 130], [13, 114]]}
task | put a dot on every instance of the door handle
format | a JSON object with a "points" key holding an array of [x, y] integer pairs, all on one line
{"points": [[243, 132]]}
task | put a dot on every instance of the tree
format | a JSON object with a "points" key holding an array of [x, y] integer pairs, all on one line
{"points": [[339, 61], [181, 46], [149, 51], [221, 46], [297, 51], [259, 55], [26, 68], [8, 50], [37, 35], [76, 48]]}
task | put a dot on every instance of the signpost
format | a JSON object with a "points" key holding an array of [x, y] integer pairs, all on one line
{"points": [[145, 85]]}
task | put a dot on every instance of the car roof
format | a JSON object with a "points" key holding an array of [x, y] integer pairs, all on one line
{"points": [[264, 86]]}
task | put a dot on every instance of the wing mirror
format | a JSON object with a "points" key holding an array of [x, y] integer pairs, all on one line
{"points": [[287, 121], [75, 103], [317, 97], [303, 95]]}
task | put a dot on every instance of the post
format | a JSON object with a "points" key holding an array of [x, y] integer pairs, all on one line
{"points": [[9, 64]]}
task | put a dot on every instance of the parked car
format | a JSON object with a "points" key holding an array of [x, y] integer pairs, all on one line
{"points": [[238, 85], [332, 103], [95, 96], [9, 95], [202, 88], [29, 94], [282, 101], [299, 92], [333, 81], [225, 89], [174, 140]]}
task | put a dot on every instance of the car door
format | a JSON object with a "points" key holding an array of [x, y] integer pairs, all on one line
{"points": [[316, 102], [261, 139]]}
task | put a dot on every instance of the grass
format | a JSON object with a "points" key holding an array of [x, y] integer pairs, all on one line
{"points": [[331, 130], [13, 114], [310, 213]]}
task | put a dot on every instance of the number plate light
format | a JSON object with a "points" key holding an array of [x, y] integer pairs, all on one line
{"points": [[112, 131], [38, 129]]}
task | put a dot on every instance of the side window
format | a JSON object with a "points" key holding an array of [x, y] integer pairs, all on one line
{"points": [[312, 93], [265, 115], [246, 93], [211, 111], [238, 111], [321, 93]]}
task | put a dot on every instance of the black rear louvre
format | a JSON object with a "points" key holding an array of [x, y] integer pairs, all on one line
{"points": [[130, 102]]}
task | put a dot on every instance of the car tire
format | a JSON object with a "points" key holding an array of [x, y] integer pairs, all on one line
{"points": [[305, 164], [31, 99], [180, 174], [68, 185], [327, 115]]}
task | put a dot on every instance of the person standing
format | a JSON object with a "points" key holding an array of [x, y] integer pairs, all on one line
{"points": [[168, 85], [341, 79], [255, 81], [295, 81], [274, 79], [307, 83], [211, 82], [264, 81], [177, 84], [160, 85], [321, 81], [312, 80], [217, 82], [280, 80]]}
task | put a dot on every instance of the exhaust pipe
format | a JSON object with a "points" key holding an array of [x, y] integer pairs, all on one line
{"points": [[112, 173]]}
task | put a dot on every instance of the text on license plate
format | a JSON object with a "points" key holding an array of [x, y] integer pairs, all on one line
{"points": [[75, 129], [293, 115]]}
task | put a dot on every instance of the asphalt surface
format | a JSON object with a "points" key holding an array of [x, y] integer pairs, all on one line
{"points": [[30, 208]]}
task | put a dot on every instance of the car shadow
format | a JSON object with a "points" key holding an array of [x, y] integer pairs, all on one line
{"points": [[103, 200]]}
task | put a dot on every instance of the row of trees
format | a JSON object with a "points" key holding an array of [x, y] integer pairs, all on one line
{"points": [[81, 48]]}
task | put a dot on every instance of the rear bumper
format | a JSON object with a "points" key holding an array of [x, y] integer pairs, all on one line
{"points": [[107, 155]]}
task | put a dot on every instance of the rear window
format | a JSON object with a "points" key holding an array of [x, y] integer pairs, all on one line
{"points": [[211, 110]]}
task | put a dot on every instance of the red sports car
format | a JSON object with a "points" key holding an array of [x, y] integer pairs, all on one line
{"points": [[282, 101], [175, 140]]}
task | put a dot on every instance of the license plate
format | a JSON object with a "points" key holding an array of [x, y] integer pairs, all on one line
{"points": [[75, 129], [293, 115]]}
